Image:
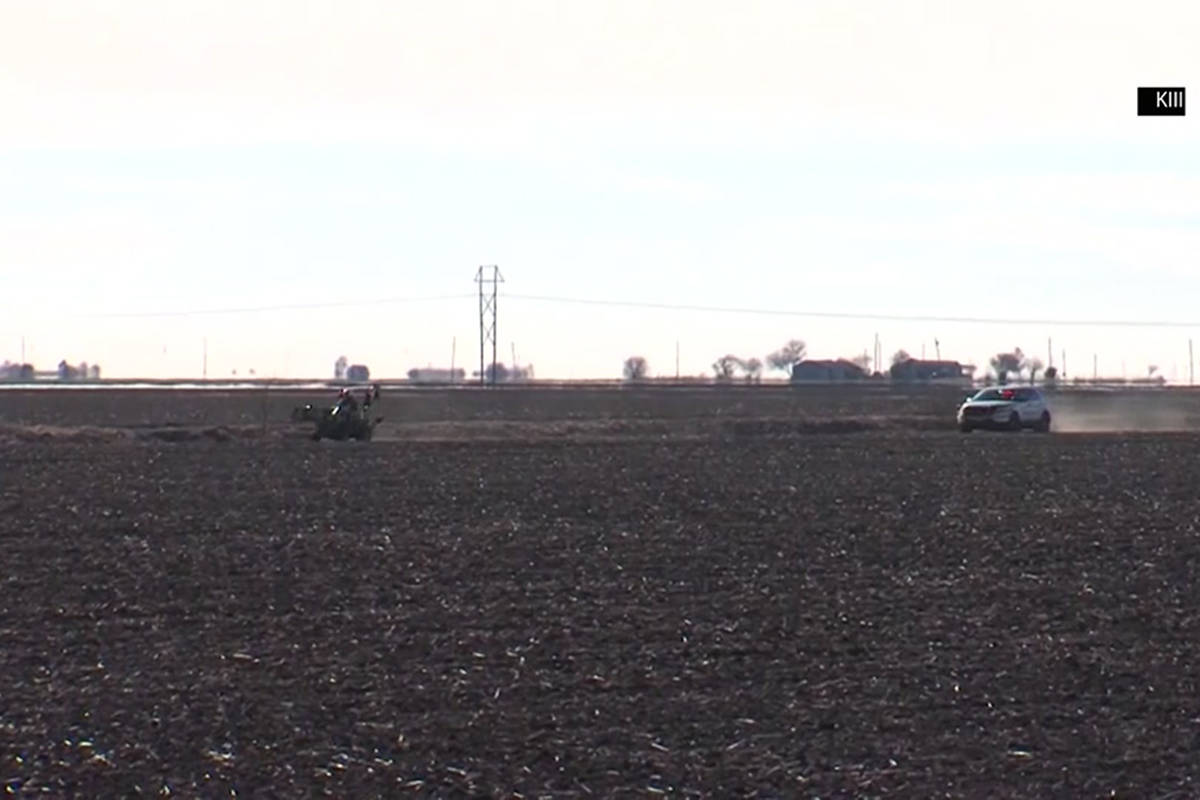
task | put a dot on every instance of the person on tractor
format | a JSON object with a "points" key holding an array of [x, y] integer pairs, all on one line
{"points": [[370, 397], [346, 401]]}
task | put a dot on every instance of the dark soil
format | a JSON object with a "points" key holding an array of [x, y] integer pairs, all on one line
{"points": [[866, 614], [166, 407]]}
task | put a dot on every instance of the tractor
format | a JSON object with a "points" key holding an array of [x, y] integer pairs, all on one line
{"points": [[348, 418]]}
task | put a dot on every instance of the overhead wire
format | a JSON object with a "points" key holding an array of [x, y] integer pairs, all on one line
{"points": [[660, 306], [379, 301], [974, 320]]}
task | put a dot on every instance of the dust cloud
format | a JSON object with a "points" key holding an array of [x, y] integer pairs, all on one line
{"points": [[1100, 412]]}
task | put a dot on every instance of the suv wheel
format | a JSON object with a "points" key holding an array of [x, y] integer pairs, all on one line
{"points": [[1043, 424], [1014, 422]]}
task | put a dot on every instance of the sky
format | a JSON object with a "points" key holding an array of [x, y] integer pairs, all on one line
{"points": [[275, 184]]}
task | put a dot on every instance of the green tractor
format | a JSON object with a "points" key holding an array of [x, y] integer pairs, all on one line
{"points": [[348, 418]]}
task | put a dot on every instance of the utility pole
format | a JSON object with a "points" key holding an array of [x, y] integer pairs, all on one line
{"points": [[1191, 366], [514, 356], [204, 367], [1095, 367], [676, 359], [1049, 353], [938, 346], [487, 317], [1064, 363], [453, 353]]}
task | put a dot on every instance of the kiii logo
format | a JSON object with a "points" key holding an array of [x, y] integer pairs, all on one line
{"points": [[1161, 101]]}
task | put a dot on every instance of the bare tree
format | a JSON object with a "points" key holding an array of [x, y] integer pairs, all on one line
{"points": [[899, 356], [752, 367], [1034, 366], [725, 367], [788, 356], [862, 361], [339, 368], [1050, 375], [1004, 364], [636, 368]]}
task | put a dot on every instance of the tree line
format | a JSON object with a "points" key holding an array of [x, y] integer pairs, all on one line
{"points": [[730, 366], [1003, 366]]}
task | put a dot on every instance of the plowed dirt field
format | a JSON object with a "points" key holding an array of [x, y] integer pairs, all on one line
{"points": [[732, 613]]}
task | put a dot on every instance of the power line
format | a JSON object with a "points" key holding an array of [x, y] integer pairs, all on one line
{"points": [[848, 315], [379, 301], [1127, 323]]}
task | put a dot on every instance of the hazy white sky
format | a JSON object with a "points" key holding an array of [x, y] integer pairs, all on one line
{"points": [[924, 158]]}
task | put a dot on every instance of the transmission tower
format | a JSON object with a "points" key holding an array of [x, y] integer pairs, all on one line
{"points": [[487, 318]]}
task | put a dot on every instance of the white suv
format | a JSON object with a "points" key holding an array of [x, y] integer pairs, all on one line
{"points": [[1005, 408]]}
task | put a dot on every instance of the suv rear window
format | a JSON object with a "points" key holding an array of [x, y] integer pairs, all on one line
{"points": [[1017, 395], [996, 394]]}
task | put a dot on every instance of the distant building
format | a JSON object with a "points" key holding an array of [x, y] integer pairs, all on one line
{"points": [[914, 369], [70, 372], [16, 372], [436, 375], [818, 370], [358, 373], [504, 374]]}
